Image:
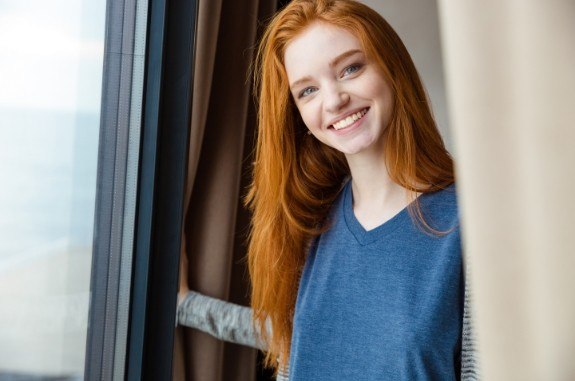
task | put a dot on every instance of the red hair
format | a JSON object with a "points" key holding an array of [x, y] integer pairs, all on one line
{"points": [[296, 178]]}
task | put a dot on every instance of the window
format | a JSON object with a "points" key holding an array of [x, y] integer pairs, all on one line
{"points": [[51, 56]]}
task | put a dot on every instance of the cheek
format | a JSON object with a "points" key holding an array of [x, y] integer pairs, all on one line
{"points": [[376, 89], [309, 118], [384, 96]]}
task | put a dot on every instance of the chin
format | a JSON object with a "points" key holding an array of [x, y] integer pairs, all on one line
{"points": [[351, 150], [358, 148]]}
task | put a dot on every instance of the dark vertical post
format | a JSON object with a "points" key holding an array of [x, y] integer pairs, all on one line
{"points": [[163, 167]]}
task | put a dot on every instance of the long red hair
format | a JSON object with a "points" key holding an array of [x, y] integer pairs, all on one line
{"points": [[296, 178]]}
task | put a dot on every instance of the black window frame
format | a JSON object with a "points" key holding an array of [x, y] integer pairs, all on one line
{"points": [[133, 338], [163, 169]]}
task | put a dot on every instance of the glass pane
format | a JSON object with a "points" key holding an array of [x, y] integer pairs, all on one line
{"points": [[51, 55]]}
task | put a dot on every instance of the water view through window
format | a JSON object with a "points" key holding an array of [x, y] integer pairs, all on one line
{"points": [[51, 57]]}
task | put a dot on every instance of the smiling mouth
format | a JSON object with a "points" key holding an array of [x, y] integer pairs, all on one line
{"points": [[346, 122]]}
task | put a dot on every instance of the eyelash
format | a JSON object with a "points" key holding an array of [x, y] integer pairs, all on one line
{"points": [[303, 92], [355, 66]]}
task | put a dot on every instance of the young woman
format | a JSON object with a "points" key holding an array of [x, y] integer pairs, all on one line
{"points": [[355, 254]]}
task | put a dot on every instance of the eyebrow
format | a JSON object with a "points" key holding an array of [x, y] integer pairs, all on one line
{"points": [[332, 64]]}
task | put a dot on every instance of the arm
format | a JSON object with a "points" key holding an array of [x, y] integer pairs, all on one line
{"points": [[223, 320]]}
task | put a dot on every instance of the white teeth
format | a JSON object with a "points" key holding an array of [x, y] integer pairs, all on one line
{"points": [[349, 120]]}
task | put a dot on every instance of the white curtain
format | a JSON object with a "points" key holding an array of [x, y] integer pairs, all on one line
{"points": [[510, 69]]}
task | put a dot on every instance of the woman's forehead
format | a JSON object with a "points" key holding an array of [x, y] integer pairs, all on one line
{"points": [[319, 45]]}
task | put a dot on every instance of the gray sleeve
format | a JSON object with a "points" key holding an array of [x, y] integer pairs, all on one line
{"points": [[223, 320], [283, 374], [469, 356]]}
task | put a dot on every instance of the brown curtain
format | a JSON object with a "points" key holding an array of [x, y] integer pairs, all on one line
{"points": [[221, 141], [511, 85]]}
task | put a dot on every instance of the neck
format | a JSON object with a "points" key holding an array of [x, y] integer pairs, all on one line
{"points": [[371, 183], [376, 197]]}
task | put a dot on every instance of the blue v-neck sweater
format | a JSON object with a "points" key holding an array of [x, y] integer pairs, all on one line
{"points": [[383, 304]]}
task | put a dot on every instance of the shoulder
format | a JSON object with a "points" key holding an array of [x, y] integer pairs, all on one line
{"points": [[447, 195], [441, 208]]}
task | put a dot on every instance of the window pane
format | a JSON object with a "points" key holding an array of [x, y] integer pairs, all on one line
{"points": [[51, 56]]}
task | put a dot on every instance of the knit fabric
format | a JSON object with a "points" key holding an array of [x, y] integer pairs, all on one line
{"points": [[234, 323], [384, 303]]}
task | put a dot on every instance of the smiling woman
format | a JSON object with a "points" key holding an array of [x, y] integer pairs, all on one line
{"points": [[354, 254], [341, 95]]}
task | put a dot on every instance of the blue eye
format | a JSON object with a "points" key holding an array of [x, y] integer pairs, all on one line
{"points": [[305, 92], [351, 69]]}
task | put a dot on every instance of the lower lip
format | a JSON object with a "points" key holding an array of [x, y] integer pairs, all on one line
{"points": [[349, 129]]}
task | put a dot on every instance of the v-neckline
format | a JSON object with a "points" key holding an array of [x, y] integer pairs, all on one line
{"points": [[363, 236]]}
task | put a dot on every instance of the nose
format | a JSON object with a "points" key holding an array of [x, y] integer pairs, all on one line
{"points": [[335, 98]]}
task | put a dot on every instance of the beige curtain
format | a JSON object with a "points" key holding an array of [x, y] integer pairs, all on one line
{"points": [[510, 67], [220, 143]]}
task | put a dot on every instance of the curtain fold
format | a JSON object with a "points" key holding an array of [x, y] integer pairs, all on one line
{"points": [[511, 92], [220, 142]]}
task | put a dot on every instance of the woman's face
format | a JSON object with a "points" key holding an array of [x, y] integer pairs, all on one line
{"points": [[341, 96]]}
